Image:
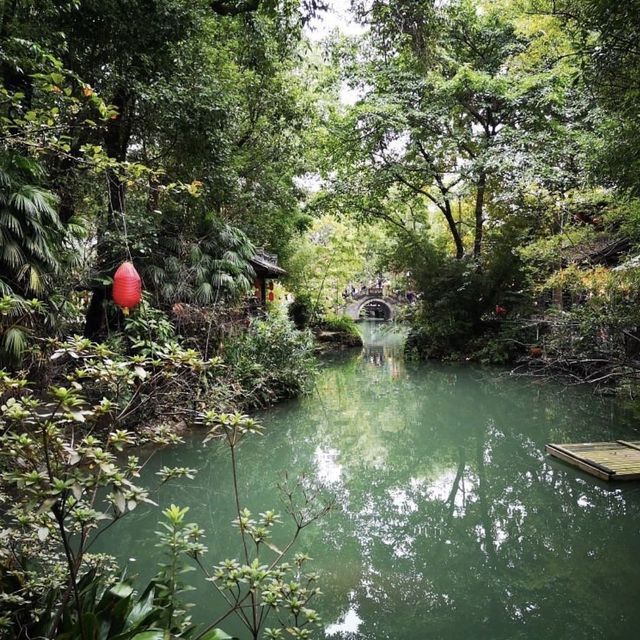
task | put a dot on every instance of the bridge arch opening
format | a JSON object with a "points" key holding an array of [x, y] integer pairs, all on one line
{"points": [[375, 309]]}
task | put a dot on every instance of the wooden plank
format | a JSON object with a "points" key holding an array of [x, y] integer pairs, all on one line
{"points": [[618, 460], [604, 448], [576, 462], [633, 445], [586, 446], [594, 463], [627, 476]]}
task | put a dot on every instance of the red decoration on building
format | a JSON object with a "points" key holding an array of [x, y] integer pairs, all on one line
{"points": [[127, 287], [271, 296]]}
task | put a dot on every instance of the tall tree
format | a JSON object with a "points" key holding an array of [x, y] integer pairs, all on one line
{"points": [[445, 100]]}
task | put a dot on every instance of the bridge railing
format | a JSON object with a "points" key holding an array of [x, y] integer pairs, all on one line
{"points": [[365, 293], [377, 292]]}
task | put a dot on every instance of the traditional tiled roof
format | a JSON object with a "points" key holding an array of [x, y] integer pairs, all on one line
{"points": [[266, 265]]}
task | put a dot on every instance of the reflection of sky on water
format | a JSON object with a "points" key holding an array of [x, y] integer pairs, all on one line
{"points": [[346, 626], [451, 522], [328, 471]]}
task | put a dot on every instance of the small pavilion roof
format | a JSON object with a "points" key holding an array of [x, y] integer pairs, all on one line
{"points": [[266, 265]]}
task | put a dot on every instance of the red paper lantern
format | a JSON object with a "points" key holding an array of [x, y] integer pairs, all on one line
{"points": [[127, 287], [271, 296]]}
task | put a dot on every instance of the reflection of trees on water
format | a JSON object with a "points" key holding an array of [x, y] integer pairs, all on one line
{"points": [[462, 527], [383, 347], [451, 521]]}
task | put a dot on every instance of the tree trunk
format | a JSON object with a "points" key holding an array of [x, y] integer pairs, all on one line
{"points": [[453, 227], [479, 215], [94, 318]]}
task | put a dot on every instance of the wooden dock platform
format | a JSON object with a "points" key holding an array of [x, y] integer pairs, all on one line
{"points": [[619, 460]]}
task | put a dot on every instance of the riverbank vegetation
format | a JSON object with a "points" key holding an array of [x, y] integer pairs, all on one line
{"points": [[496, 140], [475, 160]]}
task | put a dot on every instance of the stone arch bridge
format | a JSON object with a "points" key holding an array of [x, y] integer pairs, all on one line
{"points": [[373, 303]]}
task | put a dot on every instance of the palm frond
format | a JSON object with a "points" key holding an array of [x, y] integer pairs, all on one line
{"points": [[234, 258], [12, 255], [36, 280], [221, 279], [205, 293], [14, 342], [10, 222]]}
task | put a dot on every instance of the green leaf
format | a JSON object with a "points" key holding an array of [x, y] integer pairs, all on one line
{"points": [[141, 610], [216, 634], [78, 416], [119, 501], [122, 590], [90, 626]]}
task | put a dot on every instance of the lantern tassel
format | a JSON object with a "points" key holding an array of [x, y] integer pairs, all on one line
{"points": [[125, 311]]}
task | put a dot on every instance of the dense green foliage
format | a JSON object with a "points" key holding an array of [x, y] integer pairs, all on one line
{"points": [[31, 233], [65, 480], [160, 134], [271, 360], [496, 141], [329, 257]]}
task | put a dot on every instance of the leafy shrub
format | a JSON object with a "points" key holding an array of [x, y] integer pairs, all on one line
{"points": [[342, 324], [18, 318], [173, 383], [61, 475], [207, 328], [24, 322], [149, 330], [458, 297], [339, 330], [301, 310], [271, 361], [598, 340], [63, 472]]}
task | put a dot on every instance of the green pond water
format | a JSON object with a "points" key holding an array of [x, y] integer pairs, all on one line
{"points": [[450, 520]]}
